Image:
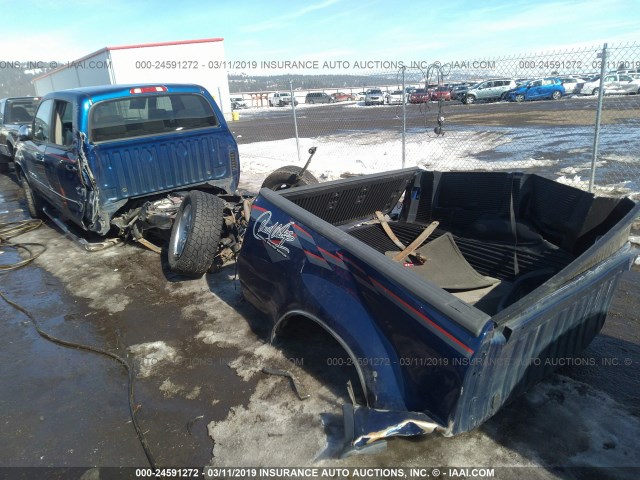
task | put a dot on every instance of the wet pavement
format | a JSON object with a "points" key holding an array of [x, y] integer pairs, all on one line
{"points": [[202, 398]]}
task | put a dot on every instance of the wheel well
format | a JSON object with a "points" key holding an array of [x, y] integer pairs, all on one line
{"points": [[318, 334]]}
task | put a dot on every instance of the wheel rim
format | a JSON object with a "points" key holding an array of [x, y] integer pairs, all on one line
{"points": [[182, 232], [556, 95], [519, 98], [470, 99]]}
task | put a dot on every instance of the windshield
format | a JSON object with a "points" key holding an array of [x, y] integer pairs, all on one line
{"points": [[20, 111], [375, 92], [149, 115]]}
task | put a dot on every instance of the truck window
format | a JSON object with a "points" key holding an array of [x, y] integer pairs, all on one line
{"points": [[63, 124], [149, 115], [20, 111], [42, 124]]}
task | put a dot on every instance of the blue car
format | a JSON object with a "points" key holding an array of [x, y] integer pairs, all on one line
{"points": [[537, 89]]}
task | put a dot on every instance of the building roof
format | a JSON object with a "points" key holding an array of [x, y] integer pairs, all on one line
{"points": [[128, 47]]}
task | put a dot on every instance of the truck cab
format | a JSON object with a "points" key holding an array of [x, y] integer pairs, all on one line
{"points": [[124, 157], [14, 112]]}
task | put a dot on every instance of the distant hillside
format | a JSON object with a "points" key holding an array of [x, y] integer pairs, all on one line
{"points": [[255, 83], [16, 82]]}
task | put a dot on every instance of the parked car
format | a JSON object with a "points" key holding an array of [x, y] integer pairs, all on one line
{"points": [[360, 96], [615, 83], [238, 103], [440, 93], [129, 158], [434, 349], [591, 86], [341, 97], [489, 90], [319, 97], [538, 89], [458, 92], [280, 99], [14, 112], [420, 95], [572, 85], [374, 96], [395, 97]]}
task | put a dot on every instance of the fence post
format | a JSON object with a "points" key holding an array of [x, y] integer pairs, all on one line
{"points": [[295, 119], [596, 136], [404, 116]]}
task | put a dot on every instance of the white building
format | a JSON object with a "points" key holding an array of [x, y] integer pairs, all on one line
{"points": [[189, 61]]}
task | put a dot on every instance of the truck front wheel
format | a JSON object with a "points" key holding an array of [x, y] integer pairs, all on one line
{"points": [[287, 177], [196, 234], [34, 202]]}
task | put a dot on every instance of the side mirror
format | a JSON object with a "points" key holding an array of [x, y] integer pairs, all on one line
{"points": [[24, 133]]}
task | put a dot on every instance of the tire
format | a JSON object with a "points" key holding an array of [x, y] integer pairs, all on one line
{"points": [[4, 167], [556, 95], [34, 202], [470, 100], [196, 234], [286, 177], [520, 98], [311, 101], [596, 92]]}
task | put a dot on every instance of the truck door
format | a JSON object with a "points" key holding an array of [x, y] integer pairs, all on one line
{"points": [[34, 151], [61, 158]]}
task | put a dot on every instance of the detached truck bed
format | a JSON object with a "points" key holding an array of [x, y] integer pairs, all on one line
{"points": [[519, 271]]}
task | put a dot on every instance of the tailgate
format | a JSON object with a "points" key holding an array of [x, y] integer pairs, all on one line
{"points": [[129, 168], [544, 335]]}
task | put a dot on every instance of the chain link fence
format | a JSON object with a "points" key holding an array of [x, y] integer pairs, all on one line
{"points": [[483, 114]]}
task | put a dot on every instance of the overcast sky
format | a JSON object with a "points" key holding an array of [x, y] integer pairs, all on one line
{"points": [[322, 30]]}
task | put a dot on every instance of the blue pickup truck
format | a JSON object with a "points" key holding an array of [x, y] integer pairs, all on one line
{"points": [[122, 160], [451, 292]]}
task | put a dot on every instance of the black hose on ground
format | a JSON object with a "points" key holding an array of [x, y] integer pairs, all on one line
{"points": [[12, 229]]}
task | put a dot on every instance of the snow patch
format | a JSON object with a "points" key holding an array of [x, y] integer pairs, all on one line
{"points": [[150, 355]]}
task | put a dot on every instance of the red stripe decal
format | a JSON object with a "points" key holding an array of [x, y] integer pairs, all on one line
{"points": [[330, 254], [345, 259], [302, 230], [260, 209], [314, 255], [423, 316]]}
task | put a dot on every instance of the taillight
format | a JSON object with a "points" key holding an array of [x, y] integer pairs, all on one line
{"points": [[147, 90]]}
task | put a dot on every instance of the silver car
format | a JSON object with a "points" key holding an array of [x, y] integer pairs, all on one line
{"points": [[395, 97], [572, 84], [489, 90], [374, 96], [615, 83]]}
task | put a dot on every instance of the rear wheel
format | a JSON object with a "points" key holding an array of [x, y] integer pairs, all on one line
{"points": [[470, 99], [34, 202], [556, 95], [287, 177], [196, 234]]}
